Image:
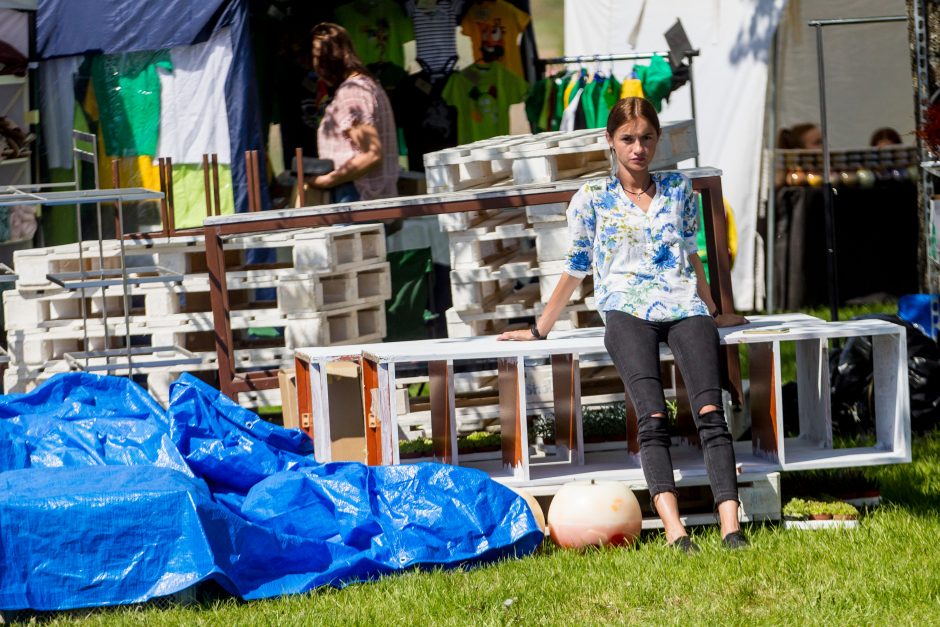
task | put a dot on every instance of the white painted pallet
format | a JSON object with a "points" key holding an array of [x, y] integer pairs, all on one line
{"points": [[543, 158], [28, 310], [317, 250], [349, 324], [473, 289]]}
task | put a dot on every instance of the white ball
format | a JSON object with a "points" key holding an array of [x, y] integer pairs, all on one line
{"points": [[587, 513]]}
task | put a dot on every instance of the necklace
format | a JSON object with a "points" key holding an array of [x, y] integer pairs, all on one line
{"points": [[641, 192]]}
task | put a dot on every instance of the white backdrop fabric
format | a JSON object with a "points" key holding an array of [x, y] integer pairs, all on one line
{"points": [[193, 117], [730, 82]]}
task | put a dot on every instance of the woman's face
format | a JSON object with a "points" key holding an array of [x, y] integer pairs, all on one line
{"points": [[812, 138], [635, 143], [315, 54]]}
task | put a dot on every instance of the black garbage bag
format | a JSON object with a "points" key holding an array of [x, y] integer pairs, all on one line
{"points": [[852, 393]]}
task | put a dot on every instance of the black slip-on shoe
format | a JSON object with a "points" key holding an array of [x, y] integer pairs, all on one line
{"points": [[735, 540], [685, 544]]}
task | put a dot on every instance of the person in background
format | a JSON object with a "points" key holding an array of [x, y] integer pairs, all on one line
{"points": [[636, 229], [357, 131], [806, 135], [885, 136]]}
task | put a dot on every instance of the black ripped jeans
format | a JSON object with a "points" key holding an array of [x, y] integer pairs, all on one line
{"points": [[633, 344]]}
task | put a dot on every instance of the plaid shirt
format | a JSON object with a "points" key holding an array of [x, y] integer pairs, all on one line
{"points": [[360, 100]]}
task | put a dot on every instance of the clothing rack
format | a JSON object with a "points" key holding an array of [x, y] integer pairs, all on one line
{"points": [[627, 56], [630, 56]]}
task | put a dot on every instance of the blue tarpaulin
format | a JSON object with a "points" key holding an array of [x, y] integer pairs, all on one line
{"points": [[105, 499]]}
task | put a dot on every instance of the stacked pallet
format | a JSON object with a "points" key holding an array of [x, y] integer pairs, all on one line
{"points": [[505, 263], [326, 286]]}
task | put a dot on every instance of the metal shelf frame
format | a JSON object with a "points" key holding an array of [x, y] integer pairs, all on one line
{"points": [[52, 194]]}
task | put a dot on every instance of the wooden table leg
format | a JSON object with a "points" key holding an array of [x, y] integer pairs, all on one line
{"points": [[685, 421], [443, 416], [512, 416], [566, 392], [764, 364], [371, 409]]}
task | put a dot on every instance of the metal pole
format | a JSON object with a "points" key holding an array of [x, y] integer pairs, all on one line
{"points": [[831, 268], [858, 20], [769, 257], [828, 190], [692, 102]]}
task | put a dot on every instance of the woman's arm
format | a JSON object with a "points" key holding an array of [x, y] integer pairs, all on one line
{"points": [[556, 302], [365, 138], [729, 319]]}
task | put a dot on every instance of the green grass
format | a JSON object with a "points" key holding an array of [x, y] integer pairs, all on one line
{"points": [[881, 573]]}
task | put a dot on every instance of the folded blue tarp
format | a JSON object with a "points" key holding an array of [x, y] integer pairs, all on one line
{"points": [[105, 498]]}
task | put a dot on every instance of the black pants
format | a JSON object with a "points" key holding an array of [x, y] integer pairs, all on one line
{"points": [[633, 345]]}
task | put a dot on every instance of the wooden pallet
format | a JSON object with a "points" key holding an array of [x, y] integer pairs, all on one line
{"points": [[196, 331], [319, 250], [543, 158], [27, 310]]}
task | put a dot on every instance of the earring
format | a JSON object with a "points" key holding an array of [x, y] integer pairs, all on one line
{"points": [[613, 162]]}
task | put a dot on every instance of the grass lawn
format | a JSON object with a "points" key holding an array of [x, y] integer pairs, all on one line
{"points": [[884, 572]]}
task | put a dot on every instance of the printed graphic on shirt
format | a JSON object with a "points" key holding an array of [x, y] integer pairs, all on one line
{"points": [[482, 95], [494, 27]]}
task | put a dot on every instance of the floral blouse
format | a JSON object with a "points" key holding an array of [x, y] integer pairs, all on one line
{"points": [[640, 260]]}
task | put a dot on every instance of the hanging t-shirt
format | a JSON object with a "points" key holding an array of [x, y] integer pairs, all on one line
{"points": [[558, 106], [57, 78], [195, 119], [430, 124], [128, 91], [589, 103], [607, 96], [435, 29], [482, 95], [534, 102], [656, 79], [494, 27], [631, 88], [378, 29]]}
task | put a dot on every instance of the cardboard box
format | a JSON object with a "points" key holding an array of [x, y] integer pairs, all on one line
{"points": [[347, 423]]}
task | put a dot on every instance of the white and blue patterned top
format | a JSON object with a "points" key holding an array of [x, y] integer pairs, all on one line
{"points": [[641, 260]]}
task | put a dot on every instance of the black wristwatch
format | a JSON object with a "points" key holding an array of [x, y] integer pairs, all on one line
{"points": [[534, 329]]}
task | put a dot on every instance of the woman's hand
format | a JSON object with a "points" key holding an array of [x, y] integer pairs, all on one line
{"points": [[730, 320], [520, 335], [323, 181]]}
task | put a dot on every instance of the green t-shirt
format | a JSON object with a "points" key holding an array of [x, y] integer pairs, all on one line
{"points": [[482, 95], [127, 88], [378, 29], [607, 96]]}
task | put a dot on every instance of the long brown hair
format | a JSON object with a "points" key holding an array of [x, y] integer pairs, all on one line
{"points": [[792, 137], [336, 58], [629, 110]]}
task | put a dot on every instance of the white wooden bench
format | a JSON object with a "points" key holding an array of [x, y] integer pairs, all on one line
{"points": [[769, 450]]}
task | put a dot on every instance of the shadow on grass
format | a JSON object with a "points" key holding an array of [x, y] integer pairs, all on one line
{"points": [[914, 487]]}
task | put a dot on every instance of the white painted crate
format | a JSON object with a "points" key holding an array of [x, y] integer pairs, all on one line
{"points": [[318, 250], [543, 158]]}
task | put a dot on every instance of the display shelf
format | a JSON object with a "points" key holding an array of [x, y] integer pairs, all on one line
{"points": [[106, 277], [161, 357], [931, 166]]}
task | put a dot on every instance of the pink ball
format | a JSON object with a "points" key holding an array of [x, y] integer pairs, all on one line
{"points": [[585, 513]]}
